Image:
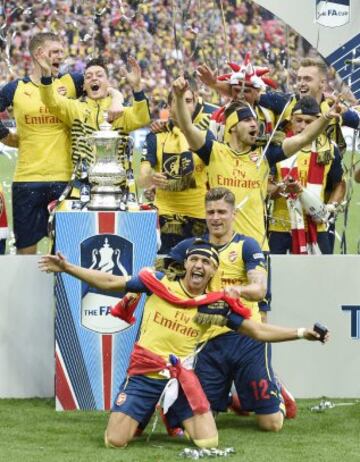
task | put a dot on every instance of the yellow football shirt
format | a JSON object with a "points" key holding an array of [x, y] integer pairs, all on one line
{"points": [[44, 141], [169, 153]]}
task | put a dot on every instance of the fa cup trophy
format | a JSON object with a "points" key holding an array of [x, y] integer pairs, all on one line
{"points": [[107, 176]]}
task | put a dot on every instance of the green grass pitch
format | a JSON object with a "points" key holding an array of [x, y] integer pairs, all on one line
{"points": [[32, 431]]}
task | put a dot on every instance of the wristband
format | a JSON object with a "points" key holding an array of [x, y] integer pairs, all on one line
{"points": [[234, 321], [300, 332]]}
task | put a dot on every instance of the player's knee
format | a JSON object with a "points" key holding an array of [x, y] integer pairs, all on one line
{"points": [[114, 441], [207, 442], [271, 424]]}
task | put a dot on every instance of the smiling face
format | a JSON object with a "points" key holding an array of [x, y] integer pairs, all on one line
{"points": [[219, 219], [96, 83], [310, 82], [199, 270], [55, 52]]}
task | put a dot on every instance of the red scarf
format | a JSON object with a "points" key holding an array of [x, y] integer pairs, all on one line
{"points": [[4, 229], [303, 242], [315, 179], [125, 308], [144, 361]]}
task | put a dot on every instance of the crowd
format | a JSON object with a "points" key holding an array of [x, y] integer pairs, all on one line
{"points": [[211, 170], [165, 37]]}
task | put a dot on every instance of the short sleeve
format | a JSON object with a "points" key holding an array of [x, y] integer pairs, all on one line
{"points": [[205, 151], [252, 254], [149, 150]]}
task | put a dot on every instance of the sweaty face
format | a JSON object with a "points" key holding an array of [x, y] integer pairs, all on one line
{"points": [[96, 83], [300, 122], [189, 103], [199, 271], [219, 218], [246, 131], [249, 94], [55, 51], [310, 82]]}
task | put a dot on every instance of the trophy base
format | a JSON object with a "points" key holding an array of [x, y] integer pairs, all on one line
{"points": [[104, 201]]}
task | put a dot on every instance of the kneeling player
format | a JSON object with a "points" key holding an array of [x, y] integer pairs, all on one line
{"points": [[169, 334]]}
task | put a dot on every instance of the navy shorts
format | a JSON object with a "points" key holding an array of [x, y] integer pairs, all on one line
{"points": [[176, 228], [30, 214], [2, 246], [280, 243], [233, 357], [138, 396]]}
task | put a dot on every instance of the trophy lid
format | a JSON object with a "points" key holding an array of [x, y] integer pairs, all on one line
{"points": [[106, 131]]}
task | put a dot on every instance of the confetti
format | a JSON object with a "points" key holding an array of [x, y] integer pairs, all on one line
{"points": [[190, 453], [326, 404]]}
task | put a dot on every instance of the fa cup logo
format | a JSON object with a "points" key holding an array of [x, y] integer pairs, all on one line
{"points": [[110, 254]]}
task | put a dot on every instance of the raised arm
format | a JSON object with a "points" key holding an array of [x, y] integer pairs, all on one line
{"points": [[194, 136], [58, 105], [137, 115], [134, 76], [293, 144], [208, 77], [57, 264]]}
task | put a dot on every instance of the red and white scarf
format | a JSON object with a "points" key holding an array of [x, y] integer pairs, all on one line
{"points": [[125, 308], [144, 361], [303, 242], [4, 228]]}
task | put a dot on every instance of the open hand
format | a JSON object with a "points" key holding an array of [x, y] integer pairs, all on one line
{"points": [[52, 263], [206, 75], [45, 63], [134, 76]]}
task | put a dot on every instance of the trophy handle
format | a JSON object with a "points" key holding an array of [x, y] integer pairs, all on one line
{"points": [[83, 162]]}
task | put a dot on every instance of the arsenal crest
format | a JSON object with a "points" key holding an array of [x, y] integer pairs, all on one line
{"points": [[254, 156], [232, 256], [332, 13], [121, 399]]}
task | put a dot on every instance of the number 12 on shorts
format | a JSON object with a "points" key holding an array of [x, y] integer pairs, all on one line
{"points": [[260, 389]]}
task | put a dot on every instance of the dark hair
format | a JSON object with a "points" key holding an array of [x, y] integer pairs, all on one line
{"points": [[40, 38], [307, 106], [315, 62], [97, 62], [216, 194], [205, 248], [235, 106]]}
